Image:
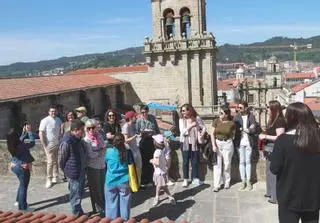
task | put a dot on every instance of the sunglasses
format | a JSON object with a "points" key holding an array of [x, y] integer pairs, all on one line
{"points": [[183, 110], [221, 113], [111, 115], [241, 107], [91, 128]]}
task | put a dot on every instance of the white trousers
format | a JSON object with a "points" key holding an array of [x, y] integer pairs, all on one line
{"points": [[222, 168]]}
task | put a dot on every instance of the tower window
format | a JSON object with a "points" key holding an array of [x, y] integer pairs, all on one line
{"points": [[185, 22], [168, 15]]}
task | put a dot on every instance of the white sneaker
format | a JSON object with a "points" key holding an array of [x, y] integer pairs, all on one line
{"points": [[196, 182], [170, 183], [172, 200], [185, 183], [55, 180], [155, 202], [249, 185], [48, 184], [16, 203]]}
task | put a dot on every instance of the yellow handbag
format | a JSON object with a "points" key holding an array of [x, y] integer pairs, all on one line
{"points": [[134, 173]]}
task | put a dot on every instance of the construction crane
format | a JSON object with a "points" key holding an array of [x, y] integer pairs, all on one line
{"points": [[294, 46]]}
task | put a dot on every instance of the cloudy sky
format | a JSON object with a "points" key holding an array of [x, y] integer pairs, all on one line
{"points": [[39, 29]]}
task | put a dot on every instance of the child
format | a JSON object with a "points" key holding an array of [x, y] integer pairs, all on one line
{"points": [[160, 169]]}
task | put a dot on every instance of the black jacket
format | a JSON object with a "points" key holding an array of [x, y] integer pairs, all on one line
{"points": [[72, 156], [298, 178], [253, 132]]}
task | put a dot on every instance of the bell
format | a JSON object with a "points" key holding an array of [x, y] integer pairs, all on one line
{"points": [[186, 19], [169, 21]]}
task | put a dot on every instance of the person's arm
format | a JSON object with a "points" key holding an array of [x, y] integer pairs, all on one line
{"points": [[31, 142], [253, 124], [62, 129], [156, 126], [41, 137], [277, 159], [279, 131], [155, 161], [213, 137], [64, 153]]}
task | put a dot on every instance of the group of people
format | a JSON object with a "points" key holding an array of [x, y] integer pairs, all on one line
{"points": [[291, 147], [86, 149]]}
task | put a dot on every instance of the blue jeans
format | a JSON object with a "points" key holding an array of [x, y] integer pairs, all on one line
{"points": [[245, 162], [186, 156], [24, 179], [118, 201], [76, 188]]}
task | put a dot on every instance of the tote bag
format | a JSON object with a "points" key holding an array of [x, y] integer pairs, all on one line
{"points": [[134, 180]]}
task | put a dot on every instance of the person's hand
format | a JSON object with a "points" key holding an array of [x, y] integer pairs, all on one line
{"points": [[214, 147], [262, 136], [151, 161]]}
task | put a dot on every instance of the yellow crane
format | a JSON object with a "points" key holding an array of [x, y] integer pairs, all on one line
{"points": [[294, 46]]}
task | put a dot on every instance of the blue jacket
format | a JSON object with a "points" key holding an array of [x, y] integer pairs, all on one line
{"points": [[22, 153], [72, 156]]}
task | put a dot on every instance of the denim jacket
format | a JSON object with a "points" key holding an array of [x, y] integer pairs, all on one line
{"points": [[22, 153]]}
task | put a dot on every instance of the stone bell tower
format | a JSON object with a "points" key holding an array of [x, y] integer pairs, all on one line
{"points": [[181, 54]]}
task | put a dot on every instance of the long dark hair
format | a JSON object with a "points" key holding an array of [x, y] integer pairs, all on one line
{"points": [[118, 142], [12, 141], [106, 115], [299, 117], [276, 112], [227, 112]]}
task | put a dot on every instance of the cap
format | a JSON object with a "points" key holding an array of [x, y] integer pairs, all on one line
{"points": [[76, 124], [158, 138], [81, 109], [130, 114]]}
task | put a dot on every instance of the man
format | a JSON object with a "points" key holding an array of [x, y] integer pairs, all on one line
{"points": [[49, 134], [247, 130], [147, 126], [82, 114], [72, 159]]}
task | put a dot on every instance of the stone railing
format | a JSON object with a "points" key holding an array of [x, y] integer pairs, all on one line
{"points": [[39, 165]]}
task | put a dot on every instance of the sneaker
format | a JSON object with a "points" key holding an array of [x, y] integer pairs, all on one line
{"points": [[185, 183], [249, 186], [170, 183], [196, 182], [172, 200], [227, 186], [215, 189], [155, 202], [55, 180], [243, 186], [16, 204], [48, 184]]}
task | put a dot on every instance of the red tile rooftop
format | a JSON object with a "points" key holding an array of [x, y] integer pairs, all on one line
{"points": [[299, 75], [17, 88], [299, 87], [314, 106], [39, 217], [111, 70]]}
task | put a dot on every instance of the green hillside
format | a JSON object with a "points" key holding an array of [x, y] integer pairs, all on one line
{"points": [[226, 53]]}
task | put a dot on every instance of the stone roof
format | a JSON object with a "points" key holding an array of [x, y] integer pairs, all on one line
{"points": [[18, 88], [111, 70]]}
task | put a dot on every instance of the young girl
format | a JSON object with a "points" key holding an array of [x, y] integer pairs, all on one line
{"points": [[160, 169]]}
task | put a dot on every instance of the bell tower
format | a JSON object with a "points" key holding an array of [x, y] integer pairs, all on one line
{"points": [[181, 53]]}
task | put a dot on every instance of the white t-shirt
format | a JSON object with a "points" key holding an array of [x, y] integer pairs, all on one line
{"points": [[51, 127], [161, 169], [245, 138]]}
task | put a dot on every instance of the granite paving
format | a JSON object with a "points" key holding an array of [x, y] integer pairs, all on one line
{"points": [[194, 204]]}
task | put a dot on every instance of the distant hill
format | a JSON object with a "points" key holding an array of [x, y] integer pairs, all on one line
{"points": [[226, 53]]}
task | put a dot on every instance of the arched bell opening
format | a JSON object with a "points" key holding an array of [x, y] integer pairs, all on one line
{"points": [[185, 21], [168, 22]]}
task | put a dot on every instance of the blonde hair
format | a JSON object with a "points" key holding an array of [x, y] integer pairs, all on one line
{"points": [[90, 123]]}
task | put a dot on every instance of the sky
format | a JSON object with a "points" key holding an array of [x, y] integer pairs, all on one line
{"points": [[36, 30]]}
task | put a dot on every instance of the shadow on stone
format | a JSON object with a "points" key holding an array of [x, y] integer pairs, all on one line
{"points": [[173, 212], [54, 201]]}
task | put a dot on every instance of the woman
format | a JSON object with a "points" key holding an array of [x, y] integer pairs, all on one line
{"points": [[275, 127], [146, 126], [96, 167], [223, 130], [117, 189], [192, 129], [130, 136], [111, 125], [295, 162], [65, 127], [21, 162]]}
